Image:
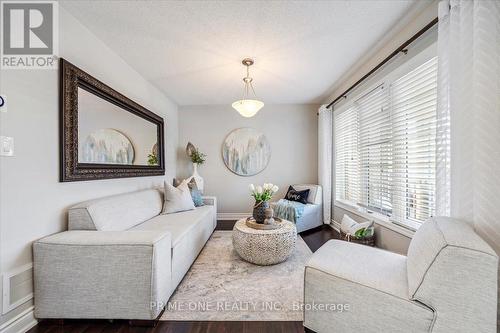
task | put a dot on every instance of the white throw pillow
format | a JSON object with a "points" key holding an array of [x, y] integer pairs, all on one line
{"points": [[347, 224], [360, 226], [177, 199]]}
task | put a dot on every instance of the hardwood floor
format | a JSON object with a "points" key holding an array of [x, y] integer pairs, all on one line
{"points": [[314, 239], [100, 326], [225, 225]]}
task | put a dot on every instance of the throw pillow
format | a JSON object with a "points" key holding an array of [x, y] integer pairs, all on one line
{"points": [[196, 194], [359, 226], [347, 224], [299, 196], [197, 197], [177, 199]]}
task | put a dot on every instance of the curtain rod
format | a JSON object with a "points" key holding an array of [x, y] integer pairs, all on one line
{"points": [[401, 48]]}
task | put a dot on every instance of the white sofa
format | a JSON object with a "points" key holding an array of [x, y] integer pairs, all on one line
{"points": [[447, 283], [120, 258]]}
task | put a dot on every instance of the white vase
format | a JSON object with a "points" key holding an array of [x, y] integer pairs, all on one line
{"points": [[197, 178]]}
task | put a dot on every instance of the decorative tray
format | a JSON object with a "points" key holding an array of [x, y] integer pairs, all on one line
{"points": [[251, 223]]}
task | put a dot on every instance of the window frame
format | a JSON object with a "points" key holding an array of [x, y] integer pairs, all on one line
{"points": [[408, 227]]}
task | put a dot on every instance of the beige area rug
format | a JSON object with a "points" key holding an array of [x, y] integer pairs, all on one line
{"points": [[222, 286]]}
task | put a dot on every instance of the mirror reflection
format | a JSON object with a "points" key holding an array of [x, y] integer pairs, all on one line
{"points": [[109, 134]]}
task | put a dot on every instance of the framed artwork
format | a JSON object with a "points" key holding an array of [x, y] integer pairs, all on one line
{"points": [[246, 151]]}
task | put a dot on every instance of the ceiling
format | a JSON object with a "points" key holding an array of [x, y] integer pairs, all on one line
{"points": [[192, 50]]}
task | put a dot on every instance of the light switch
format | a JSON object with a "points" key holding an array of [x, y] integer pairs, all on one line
{"points": [[3, 103], [6, 146]]}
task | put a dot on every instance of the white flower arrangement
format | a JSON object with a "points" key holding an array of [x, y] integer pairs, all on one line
{"points": [[264, 192]]}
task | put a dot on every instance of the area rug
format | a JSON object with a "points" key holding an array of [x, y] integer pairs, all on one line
{"points": [[222, 286]]}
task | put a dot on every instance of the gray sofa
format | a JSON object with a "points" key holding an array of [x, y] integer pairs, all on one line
{"points": [[447, 283], [120, 259]]}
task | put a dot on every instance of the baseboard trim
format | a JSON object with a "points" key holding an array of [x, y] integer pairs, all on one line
{"points": [[232, 216], [21, 323], [335, 225]]}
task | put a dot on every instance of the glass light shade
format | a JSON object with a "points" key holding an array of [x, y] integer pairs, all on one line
{"points": [[248, 107]]}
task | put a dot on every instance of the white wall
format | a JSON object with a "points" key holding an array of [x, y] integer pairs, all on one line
{"points": [[292, 134], [33, 202]]}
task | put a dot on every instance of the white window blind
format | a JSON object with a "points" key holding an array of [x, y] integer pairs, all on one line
{"points": [[346, 156], [385, 148], [414, 103], [375, 150]]}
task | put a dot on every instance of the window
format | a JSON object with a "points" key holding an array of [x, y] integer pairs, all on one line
{"points": [[385, 148], [346, 156]]}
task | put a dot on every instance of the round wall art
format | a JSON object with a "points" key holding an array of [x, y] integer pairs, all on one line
{"points": [[246, 151]]}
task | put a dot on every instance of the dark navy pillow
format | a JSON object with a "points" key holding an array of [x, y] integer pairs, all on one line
{"points": [[299, 196]]}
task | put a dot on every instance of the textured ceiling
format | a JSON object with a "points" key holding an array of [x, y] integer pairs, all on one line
{"points": [[192, 50]]}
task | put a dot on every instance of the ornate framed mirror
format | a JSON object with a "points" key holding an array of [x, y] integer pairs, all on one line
{"points": [[104, 134]]}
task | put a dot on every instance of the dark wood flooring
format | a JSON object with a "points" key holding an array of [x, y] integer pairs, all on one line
{"points": [[314, 239]]}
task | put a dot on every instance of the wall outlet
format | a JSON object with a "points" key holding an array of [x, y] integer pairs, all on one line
{"points": [[3, 103], [6, 146]]}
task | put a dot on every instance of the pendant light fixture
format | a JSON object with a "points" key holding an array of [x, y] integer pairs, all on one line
{"points": [[248, 107]]}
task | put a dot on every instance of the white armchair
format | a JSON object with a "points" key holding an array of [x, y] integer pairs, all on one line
{"points": [[312, 216], [447, 283]]}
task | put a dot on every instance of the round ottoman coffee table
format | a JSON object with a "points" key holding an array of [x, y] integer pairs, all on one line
{"points": [[264, 247]]}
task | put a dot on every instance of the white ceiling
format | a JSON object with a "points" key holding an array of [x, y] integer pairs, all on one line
{"points": [[192, 50]]}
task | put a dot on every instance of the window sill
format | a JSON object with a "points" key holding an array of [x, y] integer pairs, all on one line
{"points": [[379, 219]]}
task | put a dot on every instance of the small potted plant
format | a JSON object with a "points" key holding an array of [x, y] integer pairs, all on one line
{"points": [[363, 236], [152, 159], [262, 195], [197, 158]]}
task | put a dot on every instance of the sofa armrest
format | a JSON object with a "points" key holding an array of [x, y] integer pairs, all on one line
{"points": [[363, 265], [102, 274], [102, 238], [210, 200]]}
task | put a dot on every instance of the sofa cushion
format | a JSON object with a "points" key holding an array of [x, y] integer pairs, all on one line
{"points": [[315, 194], [178, 224], [189, 230], [371, 267], [311, 217], [364, 309], [429, 241], [177, 199], [298, 196], [186, 249], [115, 213]]}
